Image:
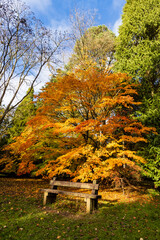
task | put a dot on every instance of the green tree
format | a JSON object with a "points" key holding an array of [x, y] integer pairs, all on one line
{"points": [[14, 125], [138, 54], [138, 43], [95, 45], [149, 115], [24, 111], [4, 128]]}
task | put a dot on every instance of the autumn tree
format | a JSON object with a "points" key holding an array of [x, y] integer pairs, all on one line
{"points": [[87, 114], [26, 46]]}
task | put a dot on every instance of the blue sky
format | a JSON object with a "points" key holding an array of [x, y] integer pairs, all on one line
{"points": [[55, 13]]}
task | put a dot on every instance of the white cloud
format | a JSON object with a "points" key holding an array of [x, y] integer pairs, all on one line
{"points": [[116, 26], [42, 79], [13, 87], [60, 26]]}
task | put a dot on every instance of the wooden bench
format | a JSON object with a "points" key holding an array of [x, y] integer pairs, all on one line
{"points": [[91, 198]]}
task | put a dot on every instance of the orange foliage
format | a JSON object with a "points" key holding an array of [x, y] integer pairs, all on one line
{"points": [[83, 128]]}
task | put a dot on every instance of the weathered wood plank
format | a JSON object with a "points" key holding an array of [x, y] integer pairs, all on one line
{"points": [[84, 195], [75, 184]]}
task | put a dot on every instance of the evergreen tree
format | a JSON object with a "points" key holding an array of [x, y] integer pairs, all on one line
{"points": [[150, 116], [22, 114], [138, 54], [138, 43]]}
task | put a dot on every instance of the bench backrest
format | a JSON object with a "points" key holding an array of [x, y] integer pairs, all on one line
{"points": [[92, 186]]}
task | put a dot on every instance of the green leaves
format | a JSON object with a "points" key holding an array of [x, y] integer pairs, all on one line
{"points": [[96, 45], [23, 113], [138, 43], [138, 54]]}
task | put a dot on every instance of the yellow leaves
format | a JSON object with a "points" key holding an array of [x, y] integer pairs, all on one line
{"points": [[131, 155], [102, 151], [64, 108], [149, 129], [62, 129], [66, 127], [72, 121], [88, 125], [125, 138], [83, 127], [106, 101], [113, 145], [137, 128]]}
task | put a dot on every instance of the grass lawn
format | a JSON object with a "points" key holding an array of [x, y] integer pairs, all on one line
{"points": [[135, 215]]}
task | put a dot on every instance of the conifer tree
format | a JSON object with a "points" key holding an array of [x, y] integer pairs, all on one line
{"points": [[138, 43], [138, 54]]}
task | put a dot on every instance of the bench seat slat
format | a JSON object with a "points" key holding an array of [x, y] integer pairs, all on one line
{"points": [[84, 195], [74, 184]]}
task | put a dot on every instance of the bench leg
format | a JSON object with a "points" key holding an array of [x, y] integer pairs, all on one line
{"points": [[95, 204], [92, 204], [49, 198], [89, 205]]}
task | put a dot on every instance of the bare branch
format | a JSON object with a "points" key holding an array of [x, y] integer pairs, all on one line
{"points": [[26, 46]]}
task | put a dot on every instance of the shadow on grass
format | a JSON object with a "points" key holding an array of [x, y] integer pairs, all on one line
{"points": [[25, 219], [22, 216]]}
